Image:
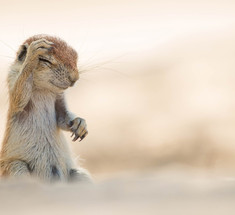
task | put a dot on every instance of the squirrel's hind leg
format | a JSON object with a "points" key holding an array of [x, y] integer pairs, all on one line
{"points": [[16, 168]]}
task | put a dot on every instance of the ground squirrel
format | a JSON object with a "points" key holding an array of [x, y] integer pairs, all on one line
{"points": [[33, 144]]}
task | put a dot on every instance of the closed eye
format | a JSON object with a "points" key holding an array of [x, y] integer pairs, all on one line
{"points": [[45, 60]]}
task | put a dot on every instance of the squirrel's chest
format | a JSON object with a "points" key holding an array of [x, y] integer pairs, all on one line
{"points": [[40, 117], [43, 115]]}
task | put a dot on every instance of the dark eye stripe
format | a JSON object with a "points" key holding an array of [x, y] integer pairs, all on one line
{"points": [[45, 60]]}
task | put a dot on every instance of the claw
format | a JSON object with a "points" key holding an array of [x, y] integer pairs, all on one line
{"points": [[73, 130], [78, 128], [75, 138], [79, 124], [83, 136]]}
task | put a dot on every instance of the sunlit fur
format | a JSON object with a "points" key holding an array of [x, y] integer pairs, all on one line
{"points": [[33, 144]]}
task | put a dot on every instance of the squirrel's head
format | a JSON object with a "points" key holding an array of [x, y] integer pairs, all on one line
{"points": [[55, 71]]}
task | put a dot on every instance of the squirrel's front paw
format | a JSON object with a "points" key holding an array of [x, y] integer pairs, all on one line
{"points": [[36, 49], [78, 128]]}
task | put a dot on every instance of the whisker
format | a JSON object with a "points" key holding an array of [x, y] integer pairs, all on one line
{"points": [[100, 50], [97, 65], [83, 71], [101, 69], [116, 71], [84, 80], [108, 61]]}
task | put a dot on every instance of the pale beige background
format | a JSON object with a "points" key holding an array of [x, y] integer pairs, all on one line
{"points": [[157, 91]]}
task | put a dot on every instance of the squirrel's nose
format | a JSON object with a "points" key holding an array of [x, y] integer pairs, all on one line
{"points": [[72, 83], [73, 78]]}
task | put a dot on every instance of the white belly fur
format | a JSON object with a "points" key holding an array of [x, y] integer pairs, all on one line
{"points": [[38, 141]]}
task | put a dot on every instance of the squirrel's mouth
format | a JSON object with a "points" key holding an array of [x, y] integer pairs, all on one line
{"points": [[58, 86]]}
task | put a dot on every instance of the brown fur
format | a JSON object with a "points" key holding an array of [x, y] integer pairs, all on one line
{"points": [[61, 50], [33, 143]]}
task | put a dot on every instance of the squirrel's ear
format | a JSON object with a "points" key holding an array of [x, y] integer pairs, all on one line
{"points": [[22, 52]]}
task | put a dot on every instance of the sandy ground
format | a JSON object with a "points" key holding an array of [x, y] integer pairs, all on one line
{"points": [[161, 193]]}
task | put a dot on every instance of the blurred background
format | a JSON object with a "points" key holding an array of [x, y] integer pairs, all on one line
{"points": [[156, 79]]}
